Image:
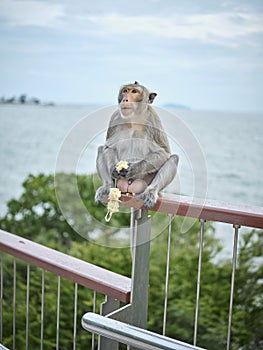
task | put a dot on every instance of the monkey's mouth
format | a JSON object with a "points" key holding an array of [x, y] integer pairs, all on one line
{"points": [[126, 111], [126, 107]]}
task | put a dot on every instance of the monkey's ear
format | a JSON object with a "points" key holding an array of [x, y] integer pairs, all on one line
{"points": [[152, 96]]}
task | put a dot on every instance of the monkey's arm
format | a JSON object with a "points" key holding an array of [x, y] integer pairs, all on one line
{"points": [[105, 158], [151, 164]]}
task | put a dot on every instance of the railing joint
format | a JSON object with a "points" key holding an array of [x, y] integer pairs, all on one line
{"points": [[237, 226]]}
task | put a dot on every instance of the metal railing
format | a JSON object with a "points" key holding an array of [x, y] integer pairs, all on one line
{"points": [[133, 292], [130, 335], [115, 287], [204, 210]]}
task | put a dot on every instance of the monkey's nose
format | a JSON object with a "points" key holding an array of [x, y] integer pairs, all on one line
{"points": [[125, 99]]}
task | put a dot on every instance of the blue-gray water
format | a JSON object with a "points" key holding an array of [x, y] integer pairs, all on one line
{"points": [[232, 144]]}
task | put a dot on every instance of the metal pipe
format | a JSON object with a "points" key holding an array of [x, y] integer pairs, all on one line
{"points": [[14, 306], [201, 241], [136, 337], [42, 309], [58, 314], [27, 304], [75, 316], [1, 297], [94, 310], [167, 273], [236, 227]]}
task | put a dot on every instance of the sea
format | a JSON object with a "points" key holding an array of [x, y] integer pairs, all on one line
{"points": [[221, 153]]}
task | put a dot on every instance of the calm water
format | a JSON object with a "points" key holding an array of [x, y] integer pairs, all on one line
{"points": [[232, 144]]}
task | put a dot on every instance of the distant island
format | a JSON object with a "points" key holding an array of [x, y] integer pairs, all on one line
{"points": [[24, 100], [175, 106]]}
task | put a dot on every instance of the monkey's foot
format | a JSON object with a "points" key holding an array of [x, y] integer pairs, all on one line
{"points": [[102, 191], [149, 197]]}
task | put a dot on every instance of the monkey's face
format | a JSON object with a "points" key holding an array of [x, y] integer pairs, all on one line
{"points": [[130, 97]]}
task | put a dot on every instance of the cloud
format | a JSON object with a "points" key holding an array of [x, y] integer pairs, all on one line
{"points": [[31, 13], [217, 28], [224, 28]]}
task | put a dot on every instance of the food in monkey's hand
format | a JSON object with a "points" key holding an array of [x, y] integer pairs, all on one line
{"points": [[113, 203], [121, 165]]}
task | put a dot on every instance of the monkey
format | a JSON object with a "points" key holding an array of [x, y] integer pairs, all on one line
{"points": [[135, 134]]}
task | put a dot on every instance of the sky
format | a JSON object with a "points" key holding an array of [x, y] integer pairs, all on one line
{"points": [[205, 54]]}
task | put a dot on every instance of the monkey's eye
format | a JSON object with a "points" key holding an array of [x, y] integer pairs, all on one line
{"points": [[125, 91], [134, 91]]}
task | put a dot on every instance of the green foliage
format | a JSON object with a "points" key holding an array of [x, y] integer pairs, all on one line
{"points": [[247, 321], [36, 214], [248, 316], [39, 215], [85, 303]]}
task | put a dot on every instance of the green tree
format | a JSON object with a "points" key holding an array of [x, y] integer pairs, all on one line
{"points": [[248, 315], [37, 213], [247, 321]]}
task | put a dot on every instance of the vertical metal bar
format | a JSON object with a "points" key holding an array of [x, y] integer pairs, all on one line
{"points": [[75, 316], [94, 310], [1, 297], [42, 310], [27, 304], [132, 223], [94, 301], [201, 241], [14, 307], [58, 314], [167, 273], [140, 270], [234, 259], [107, 307]]}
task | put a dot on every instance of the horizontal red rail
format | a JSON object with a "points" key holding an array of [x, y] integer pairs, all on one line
{"points": [[78, 271], [204, 209]]}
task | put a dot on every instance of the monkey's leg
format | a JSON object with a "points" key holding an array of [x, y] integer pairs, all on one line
{"points": [[166, 173], [163, 178], [106, 159]]}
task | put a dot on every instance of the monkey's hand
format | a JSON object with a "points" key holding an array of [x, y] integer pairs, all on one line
{"points": [[122, 165], [101, 192], [149, 197], [136, 169], [133, 170], [120, 170]]}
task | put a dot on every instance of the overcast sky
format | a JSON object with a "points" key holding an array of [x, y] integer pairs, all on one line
{"points": [[206, 54]]}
